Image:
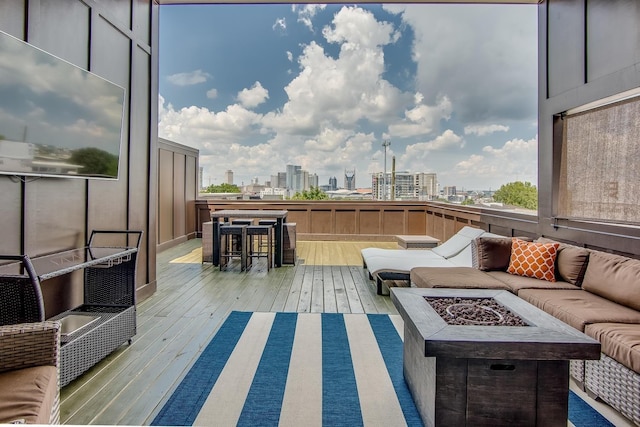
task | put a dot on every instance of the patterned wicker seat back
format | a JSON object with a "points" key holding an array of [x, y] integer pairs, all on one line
{"points": [[20, 294]]}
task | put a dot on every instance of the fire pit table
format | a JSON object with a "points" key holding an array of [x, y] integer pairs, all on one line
{"points": [[464, 367]]}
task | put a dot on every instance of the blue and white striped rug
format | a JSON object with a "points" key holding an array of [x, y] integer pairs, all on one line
{"points": [[311, 369]]}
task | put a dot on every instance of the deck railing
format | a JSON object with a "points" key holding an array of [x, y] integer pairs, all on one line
{"points": [[379, 220]]}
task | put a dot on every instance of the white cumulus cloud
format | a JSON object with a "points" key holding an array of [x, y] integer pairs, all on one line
{"points": [[516, 160], [256, 95], [422, 119], [307, 12], [482, 130], [280, 25], [418, 152], [189, 79], [205, 129], [344, 90], [212, 93]]}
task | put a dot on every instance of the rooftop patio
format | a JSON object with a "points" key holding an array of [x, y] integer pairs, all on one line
{"points": [[581, 60], [192, 301]]}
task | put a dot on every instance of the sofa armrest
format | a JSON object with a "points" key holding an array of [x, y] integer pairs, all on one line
{"points": [[29, 344]]}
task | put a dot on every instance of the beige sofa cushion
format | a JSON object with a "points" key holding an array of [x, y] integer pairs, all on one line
{"points": [[571, 262], [619, 341], [578, 307], [453, 277], [516, 283], [28, 394], [613, 277]]}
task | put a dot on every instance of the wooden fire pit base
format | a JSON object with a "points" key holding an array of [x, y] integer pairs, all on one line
{"points": [[488, 375], [486, 392]]}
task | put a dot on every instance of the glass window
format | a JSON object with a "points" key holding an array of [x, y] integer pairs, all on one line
{"points": [[599, 171]]}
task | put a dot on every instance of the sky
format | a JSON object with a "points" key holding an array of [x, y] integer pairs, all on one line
{"points": [[257, 87]]}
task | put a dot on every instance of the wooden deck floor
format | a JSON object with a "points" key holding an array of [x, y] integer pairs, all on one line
{"points": [[192, 300]]}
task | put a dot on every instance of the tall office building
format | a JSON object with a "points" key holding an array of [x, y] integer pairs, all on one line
{"points": [[450, 191], [333, 183], [426, 186], [350, 179], [228, 176], [313, 180], [407, 186], [294, 181], [279, 180]]}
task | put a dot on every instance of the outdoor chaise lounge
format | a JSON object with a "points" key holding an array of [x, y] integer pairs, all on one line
{"points": [[396, 264]]}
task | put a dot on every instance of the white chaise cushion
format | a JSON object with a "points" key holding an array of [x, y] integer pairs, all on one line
{"points": [[405, 263], [457, 249], [457, 242], [369, 253]]}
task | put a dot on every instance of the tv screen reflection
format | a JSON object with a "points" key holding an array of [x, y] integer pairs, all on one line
{"points": [[55, 118]]}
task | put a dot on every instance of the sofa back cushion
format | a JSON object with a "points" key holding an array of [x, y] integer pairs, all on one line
{"points": [[531, 259], [491, 253], [571, 262], [613, 277]]}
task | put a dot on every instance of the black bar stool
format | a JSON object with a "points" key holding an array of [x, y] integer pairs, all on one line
{"points": [[232, 238], [236, 239], [272, 223], [260, 244]]}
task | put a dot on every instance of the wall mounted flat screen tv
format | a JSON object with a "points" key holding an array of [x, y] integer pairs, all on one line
{"points": [[56, 119]]}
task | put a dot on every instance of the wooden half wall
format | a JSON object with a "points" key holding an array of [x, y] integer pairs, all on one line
{"points": [[379, 220], [177, 193]]}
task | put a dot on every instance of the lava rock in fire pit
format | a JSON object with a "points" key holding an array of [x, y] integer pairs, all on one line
{"points": [[474, 311]]}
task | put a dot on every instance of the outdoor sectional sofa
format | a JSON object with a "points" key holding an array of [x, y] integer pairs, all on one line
{"points": [[595, 292]]}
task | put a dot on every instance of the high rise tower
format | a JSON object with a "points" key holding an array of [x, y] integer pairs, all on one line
{"points": [[350, 179]]}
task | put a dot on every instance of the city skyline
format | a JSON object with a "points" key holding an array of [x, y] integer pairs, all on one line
{"points": [[324, 86]]}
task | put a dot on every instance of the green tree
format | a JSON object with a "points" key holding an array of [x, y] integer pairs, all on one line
{"points": [[312, 194], [222, 188], [523, 194], [95, 161]]}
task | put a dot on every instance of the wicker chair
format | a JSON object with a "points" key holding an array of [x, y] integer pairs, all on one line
{"points": [[25, 346], [27, 342]]}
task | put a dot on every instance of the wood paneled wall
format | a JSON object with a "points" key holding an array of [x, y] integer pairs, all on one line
{"points": [[177, 193], [116, 40]]}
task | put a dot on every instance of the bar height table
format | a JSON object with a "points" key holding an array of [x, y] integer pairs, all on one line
{"points": [[279, 215]]}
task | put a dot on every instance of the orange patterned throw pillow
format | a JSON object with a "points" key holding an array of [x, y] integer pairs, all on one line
{"points": [[536, 260]]}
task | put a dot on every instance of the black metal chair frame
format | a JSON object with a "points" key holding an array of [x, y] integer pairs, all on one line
{"points": [[256, 245], [232, 245]]}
